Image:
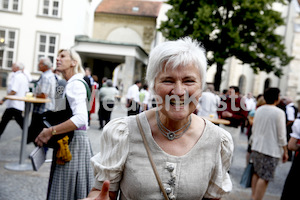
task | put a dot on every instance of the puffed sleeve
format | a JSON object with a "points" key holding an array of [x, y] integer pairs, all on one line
{"points": [[296, 129], [220, 182], [108, 164]]}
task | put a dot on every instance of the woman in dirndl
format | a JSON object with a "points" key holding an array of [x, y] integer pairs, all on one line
{"points": [[73, 179]]}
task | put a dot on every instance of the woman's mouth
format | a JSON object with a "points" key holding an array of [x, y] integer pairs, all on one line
{"points": [[174, 102]]}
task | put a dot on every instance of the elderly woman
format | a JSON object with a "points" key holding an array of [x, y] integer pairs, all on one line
{"points": [[191, 155], [73, 179]]}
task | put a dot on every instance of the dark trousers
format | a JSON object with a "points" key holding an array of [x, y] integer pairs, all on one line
{"points": [[133, 109], [104, 114], [288, 132], [35, 127], [291, 185], [9, 114]]}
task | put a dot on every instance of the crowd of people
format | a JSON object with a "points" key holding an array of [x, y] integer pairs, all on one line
{"points": [[168, 123]]}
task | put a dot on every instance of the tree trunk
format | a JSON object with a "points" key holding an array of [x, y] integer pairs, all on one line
{"points": [[218, 77]]}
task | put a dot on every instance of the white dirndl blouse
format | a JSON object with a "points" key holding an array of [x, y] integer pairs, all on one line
{"points": [[201, 173]]}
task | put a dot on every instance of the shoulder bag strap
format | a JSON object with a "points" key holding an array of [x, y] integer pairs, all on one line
{"points": [[150, 158], [88, 91], [88, 95]]}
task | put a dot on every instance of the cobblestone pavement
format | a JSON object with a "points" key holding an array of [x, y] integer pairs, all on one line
{"points": [[32, 185]]}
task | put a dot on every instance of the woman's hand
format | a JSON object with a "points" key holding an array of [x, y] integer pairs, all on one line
{"points": [[285, 155], [43, 137], [104, 194]]}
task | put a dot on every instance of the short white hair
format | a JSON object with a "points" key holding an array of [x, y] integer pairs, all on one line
{"points": [[182, 52], [20, 65], [47, 62]]}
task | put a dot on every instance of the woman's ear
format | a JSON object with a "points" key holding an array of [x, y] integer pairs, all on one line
{"points": [[73, 63]]}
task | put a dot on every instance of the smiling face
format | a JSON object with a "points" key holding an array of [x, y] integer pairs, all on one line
{"points": [[178, 91]]}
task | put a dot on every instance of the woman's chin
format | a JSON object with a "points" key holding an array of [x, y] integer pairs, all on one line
{"points": [[179, 112]]}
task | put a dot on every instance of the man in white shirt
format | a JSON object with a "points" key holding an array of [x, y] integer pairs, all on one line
{"points": [[250, 102], [45, 88], [208, 103], [17, 86], [133, 98]]}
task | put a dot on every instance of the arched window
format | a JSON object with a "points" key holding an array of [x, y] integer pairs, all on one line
{"points": [[267, 83], [242, 84]]}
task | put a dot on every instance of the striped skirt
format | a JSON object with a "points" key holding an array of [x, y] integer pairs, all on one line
{"points": [[75, 179]]}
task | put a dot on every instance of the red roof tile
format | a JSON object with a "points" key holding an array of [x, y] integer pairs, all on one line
{"points": [[130, 7]]}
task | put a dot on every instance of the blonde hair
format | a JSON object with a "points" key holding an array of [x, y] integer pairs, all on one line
{"points": [[74, 56]]}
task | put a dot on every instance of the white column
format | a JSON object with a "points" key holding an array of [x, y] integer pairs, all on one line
{"points": [[128, 73]]}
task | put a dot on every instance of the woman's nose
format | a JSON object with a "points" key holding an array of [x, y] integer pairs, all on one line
{"points": [[179, 89]]}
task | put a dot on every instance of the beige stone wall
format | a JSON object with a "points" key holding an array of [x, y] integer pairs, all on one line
{"points": [[104, 24], [293, 82]]}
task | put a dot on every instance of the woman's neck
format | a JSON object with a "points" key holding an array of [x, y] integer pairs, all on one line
{"points": [[171, 124], [68, 74]]}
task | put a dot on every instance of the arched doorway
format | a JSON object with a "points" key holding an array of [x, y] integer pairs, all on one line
{"points": [[125, 35]]}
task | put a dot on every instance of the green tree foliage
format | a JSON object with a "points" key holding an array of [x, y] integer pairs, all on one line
{"points": [[241, 28]]}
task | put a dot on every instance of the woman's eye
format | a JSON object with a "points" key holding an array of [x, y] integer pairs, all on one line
{"points": [[189, 81], [167, 81]]}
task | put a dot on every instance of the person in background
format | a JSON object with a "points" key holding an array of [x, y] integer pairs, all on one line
{"points": [[103, 82], [90, 81], [17, 86], [208, 103], [133, 102], [181, 143], [260, 101], [268, 142], [74, 179], [45, 88], [96, 83], [291, 187], [282, 103], [235, 111], [144, 98], [224, 95], [291, 114], [107, 96], [250, 102], [88, 78], [94, 91]]}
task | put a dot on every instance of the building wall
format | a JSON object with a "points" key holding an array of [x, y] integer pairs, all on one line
{"points": [[294, 73], [143, 27], [72, 22]]}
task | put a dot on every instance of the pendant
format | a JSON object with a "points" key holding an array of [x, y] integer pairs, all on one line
{"points": [[171, 136]]}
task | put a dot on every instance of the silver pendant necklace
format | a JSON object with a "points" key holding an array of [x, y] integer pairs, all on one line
{"points": [[171, 135]]}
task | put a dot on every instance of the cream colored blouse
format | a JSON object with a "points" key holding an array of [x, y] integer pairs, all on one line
{"points": [[201, 173]]}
